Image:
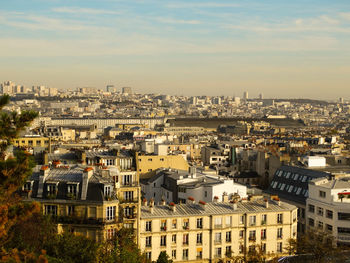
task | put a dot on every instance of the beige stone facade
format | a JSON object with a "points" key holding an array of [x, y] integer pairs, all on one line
{"points": [[206, 233]]}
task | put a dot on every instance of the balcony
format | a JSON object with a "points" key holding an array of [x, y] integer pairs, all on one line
{"points": [[218, 226], [186, 227], [343, 238], [185, 243], [263, 237], [163, 228], [252, 239], [263, 222], [129, 184], [129, 200], [217, 242], [279, 237], [199, 257]]}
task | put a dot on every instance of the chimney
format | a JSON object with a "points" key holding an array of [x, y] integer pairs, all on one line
{"points": [[88, 172], [44, 172], [266, 203], [191, 200], [151, 205], [172, 207], [83, 158], [234, 205], [216, 199], [144, 202], [202, 204], [162, 202], [192, 171], [224, 197], [46, 158]]}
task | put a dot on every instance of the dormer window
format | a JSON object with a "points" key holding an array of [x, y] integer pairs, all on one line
{"points": [[51, 189], [72, 190], [107, 190], [27, 187]]}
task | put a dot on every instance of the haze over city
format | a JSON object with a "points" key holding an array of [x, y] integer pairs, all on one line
{"points": [[289, 49]]}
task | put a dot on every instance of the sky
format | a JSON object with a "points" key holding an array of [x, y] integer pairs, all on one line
{"points": [[281, 48]]}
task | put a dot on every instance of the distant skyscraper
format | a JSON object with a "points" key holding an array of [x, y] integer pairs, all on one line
{"points": [[126, 90], [245, 95], [341, 100], [261, 96]]}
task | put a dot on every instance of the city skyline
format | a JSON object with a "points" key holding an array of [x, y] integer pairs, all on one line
{"points": [[277, 48]]}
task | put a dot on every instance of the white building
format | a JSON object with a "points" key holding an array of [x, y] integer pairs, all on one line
{"points": [[177, 186], [328, 207]]}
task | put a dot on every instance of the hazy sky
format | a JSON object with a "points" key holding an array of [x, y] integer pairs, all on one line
{"points": [[291, 48]]}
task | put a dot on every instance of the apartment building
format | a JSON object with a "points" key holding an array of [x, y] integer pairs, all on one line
{"points": [[93, 202], [33, 141], [207, 232], [328, 207]]}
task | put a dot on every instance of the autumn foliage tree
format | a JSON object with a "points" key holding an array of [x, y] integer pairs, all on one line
{"points": [[14, 169]]}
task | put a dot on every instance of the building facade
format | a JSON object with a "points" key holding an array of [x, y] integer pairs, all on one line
{"points": [[208, 232]]}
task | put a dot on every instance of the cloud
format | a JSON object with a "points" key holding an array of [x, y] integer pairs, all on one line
{"points": [[321, 23], [167, 20], [78, 10], [33, 22], [201, 5], [345, 15]]}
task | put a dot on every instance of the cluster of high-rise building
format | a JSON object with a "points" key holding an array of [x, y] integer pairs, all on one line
{"points": [[201, 178]]}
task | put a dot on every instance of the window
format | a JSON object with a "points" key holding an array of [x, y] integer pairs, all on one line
{"points": [[173, 225], [107, 190], [148, 226], [27, 186], [173, 253], [329, 227], [148, 255], [218, 222], [320, 211], [263, 219], [279, 232], [322, 194], [199, 222], [128, 195], [241, 234], [320, 225], [329, 214], [111, 233], [161, 159], [173, 239], [72, 189], [205, 194], [127, 179], [263, 247], [51, 210], [279, 247], [128, 211], [311, 208], [263, 234], [110, 212], [228, 221], [241, 248], [185, 254], [162, 241], [218, 252], [51, 189], [344, 216], [311, 222], [70, 210], [252, 220], [186, 224], [185, 239], [279, 218], [199, 238], [252, 235], [199, 253], [228, 251], [163, 225], [241, 219], [148, 241], [217, 237], [228, 236]]}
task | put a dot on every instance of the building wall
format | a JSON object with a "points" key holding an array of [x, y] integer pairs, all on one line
{"points": [[147, 164], [230, 223]]}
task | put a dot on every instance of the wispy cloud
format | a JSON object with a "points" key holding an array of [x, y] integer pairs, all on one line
{"points": [[168, 20], [34, 22], [78, 10], [201, 5], [321, 23]]}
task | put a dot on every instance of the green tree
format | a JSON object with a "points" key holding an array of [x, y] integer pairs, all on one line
{"points": [[164, 258], [122, 248], [14, 169]]}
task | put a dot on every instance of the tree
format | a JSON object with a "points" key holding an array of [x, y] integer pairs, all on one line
{"points": [[14, 169], [164, 258], [121, 248]]}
